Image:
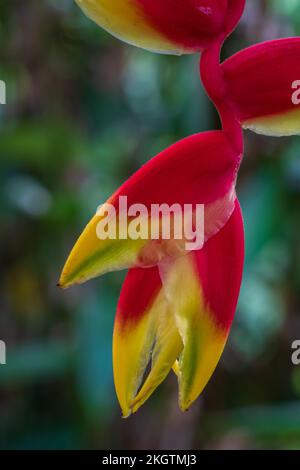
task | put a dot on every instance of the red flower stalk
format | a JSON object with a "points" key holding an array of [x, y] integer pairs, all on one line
{"points": [[177, 305]]}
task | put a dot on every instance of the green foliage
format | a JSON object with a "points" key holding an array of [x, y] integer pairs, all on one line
{"points": [[83, 113]]}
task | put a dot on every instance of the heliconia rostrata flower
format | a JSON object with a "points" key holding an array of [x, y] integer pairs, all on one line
{"points": [[177, 306]]}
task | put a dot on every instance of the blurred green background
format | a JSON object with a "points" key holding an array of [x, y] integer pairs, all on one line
{"points": [[83, 112]]}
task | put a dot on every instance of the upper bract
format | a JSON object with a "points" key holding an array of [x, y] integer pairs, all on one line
{"points": [[166, 26]]}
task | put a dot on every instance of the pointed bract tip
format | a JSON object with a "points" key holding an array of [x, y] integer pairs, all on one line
{"points": [[184, 405], [63, 284]]}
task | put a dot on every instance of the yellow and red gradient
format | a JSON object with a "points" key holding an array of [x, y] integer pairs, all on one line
{"points": [[144, 330], [166, 26], [259, 84], [200, 169], [178, 316], [176, 306]]}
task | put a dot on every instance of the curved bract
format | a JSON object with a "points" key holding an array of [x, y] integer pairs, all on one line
{"points": [[262, 81], [166, 26], [178, 315], [200, 169]]}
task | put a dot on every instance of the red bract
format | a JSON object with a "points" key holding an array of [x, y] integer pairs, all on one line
{"points": [[200, 169], [182, 322], [177, 305], [261, 83], [168, 26], [193, 24]]}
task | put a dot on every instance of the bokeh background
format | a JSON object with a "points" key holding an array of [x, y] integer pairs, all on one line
{"points": [[83, 113]]}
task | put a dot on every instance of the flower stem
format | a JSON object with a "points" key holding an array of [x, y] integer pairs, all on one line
{"points": [[216, 87]]}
